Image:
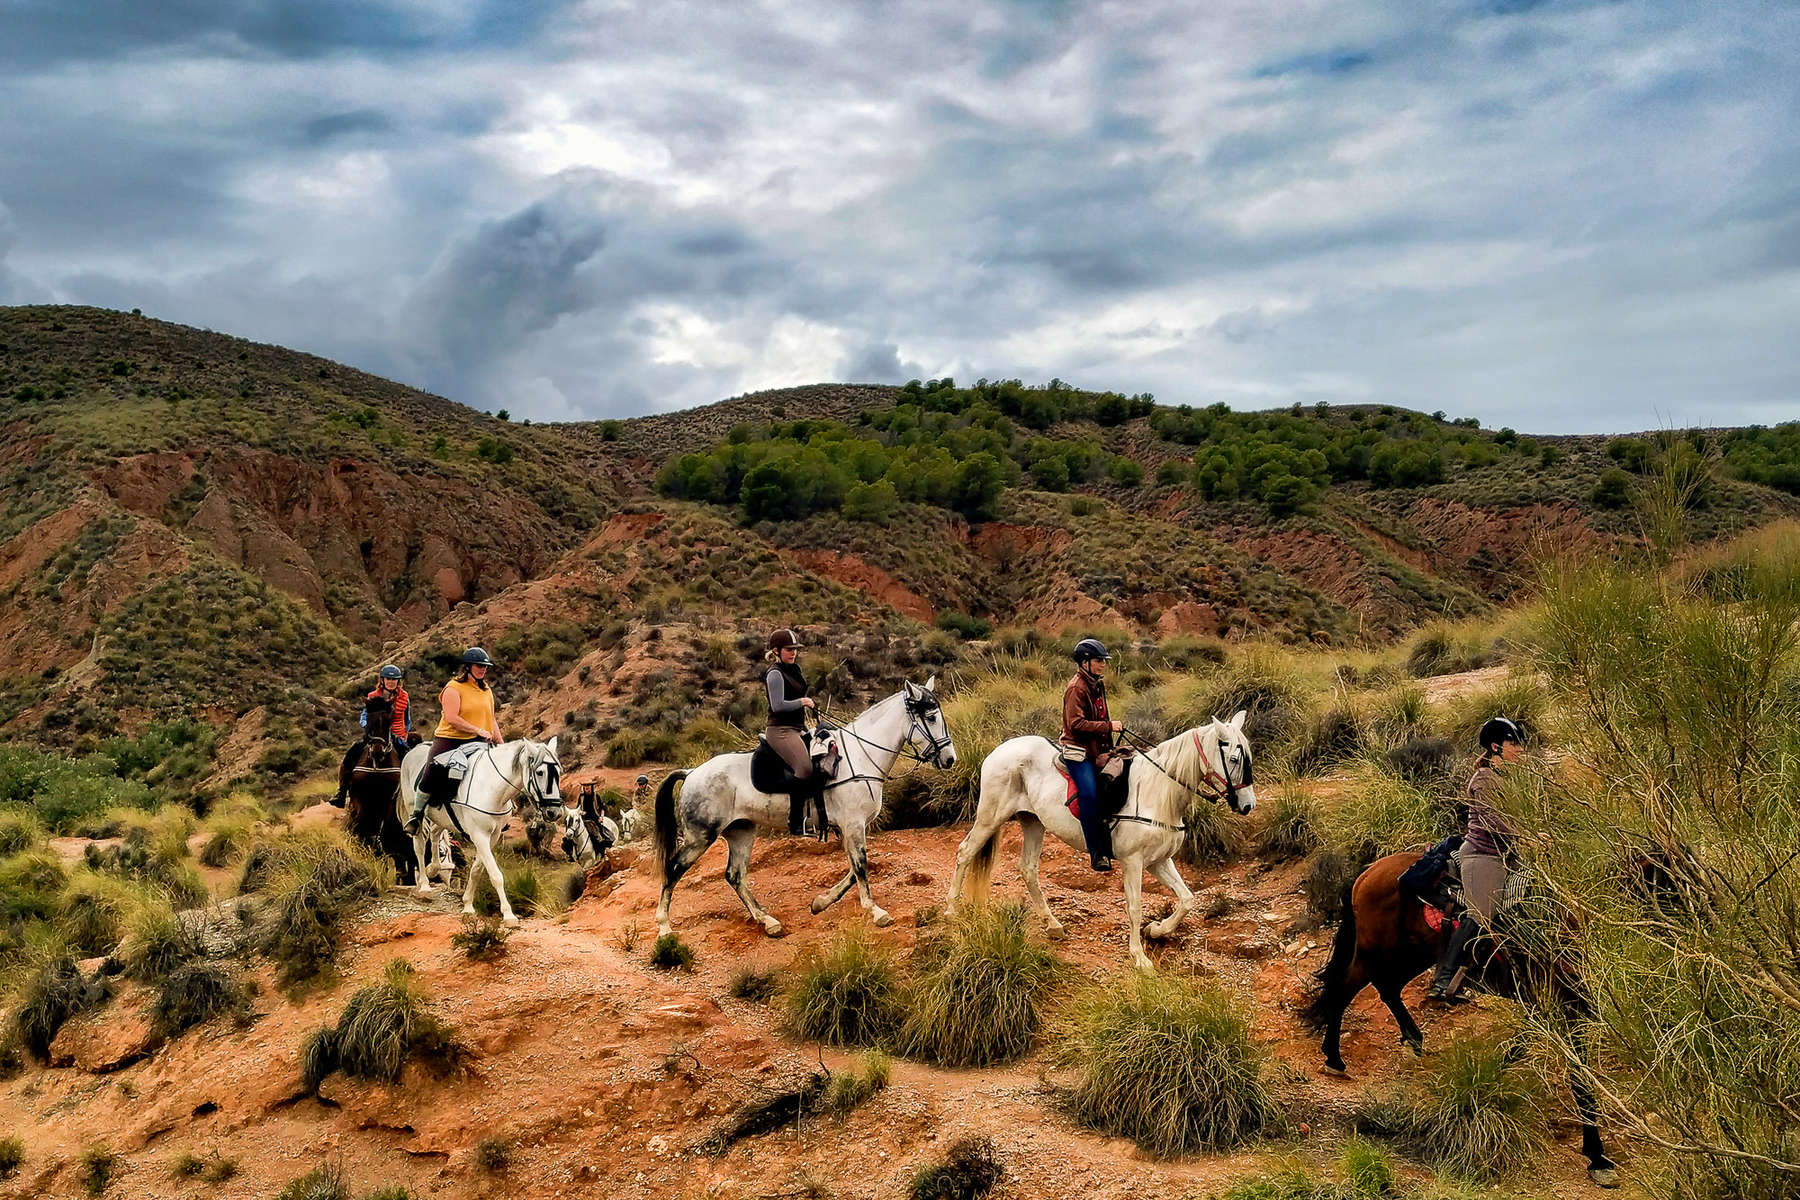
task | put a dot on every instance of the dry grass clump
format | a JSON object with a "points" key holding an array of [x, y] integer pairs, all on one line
{"points": [[31, 884], [1168, 1063], [1523, 697], [94, 911], [1262, 681], [970, 1170], [55, 991], [1400, 714], [848, 1090], [525, 890], [1476, 1111], [1366, 1172], [19, 831], [481, 938], [1002, 703], [758, 985], [492, 1154], [307, 880], [227, 837], [385, 1023], [12, 1156], [1213, 834], [1381, 813], [980, 990], [156, 942], [848, 993], [1290, 824], [1334, 736], [194, 993], [1442, 649], [99, 1166]]}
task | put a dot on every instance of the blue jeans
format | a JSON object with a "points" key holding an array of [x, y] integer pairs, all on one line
{"points": [[1094, 828]]}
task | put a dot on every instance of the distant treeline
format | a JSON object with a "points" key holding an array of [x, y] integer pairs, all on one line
{"points": [[960, 448]]}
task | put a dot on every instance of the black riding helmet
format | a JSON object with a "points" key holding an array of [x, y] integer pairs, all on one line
{"points": [[1499, 730], [475, 656], [1088, 649]]}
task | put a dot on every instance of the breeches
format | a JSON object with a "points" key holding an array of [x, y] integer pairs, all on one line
{"points": [[1483, 881], [787, 741]]}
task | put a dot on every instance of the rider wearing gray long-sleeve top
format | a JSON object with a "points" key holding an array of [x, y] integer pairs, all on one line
{"points": [[788, 703]]}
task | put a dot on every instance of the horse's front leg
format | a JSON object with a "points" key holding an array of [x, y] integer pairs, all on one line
{"points": [[835, 892], [1170, 878], [484, 851], [424, 857], [1134, 912], [856, 846]]}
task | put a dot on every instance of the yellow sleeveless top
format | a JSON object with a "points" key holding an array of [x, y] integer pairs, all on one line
{"points": [[477, 709]]}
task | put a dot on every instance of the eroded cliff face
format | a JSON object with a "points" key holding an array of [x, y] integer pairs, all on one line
{"points": [[382, 554]]}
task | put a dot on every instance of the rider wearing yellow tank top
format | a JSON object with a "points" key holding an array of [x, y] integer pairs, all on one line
{"points": [[476, 708], [468, 717]]}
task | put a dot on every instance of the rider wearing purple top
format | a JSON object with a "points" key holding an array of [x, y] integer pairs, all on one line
{"points": [[1487, 844]]}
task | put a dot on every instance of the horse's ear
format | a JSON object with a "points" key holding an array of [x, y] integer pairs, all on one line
{"points": [[931, 685], [552, 745], [912, 689], [1237, 722]]}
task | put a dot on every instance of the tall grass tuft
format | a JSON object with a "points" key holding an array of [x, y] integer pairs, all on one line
{"points": [[1334, 736], [156, 942], [971, 1169], [1476, 1111], [94, 910], [670, 953], [1212, 834], [389, 1021], [1002, 703], [194, 993], [1445, 650], [54, 992], [31, 884], [848, 1090], [1169, 1064], [12, 1156], [1382, 813], [99, 1166], [1523, 697], [1261, 681], [1290, 824], [979, 990], [307, 880], [19, 831], [846, 994]]}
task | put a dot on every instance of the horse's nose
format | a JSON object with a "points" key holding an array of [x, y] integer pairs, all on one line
{"points": [[1244, 801]]}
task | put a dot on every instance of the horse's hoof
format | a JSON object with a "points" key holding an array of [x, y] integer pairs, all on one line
{"points": [[510, 919], [774, 929], [819, 905], [1055, 932], [1606, 1177], [881, 919], [1143, 964], [1416, 1045]]}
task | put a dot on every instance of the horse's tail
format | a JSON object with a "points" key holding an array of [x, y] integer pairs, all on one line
{"points": [[981, 872], [663, 844], [1326, 1002]]}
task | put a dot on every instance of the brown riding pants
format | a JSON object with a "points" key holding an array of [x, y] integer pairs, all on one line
{"points": [[788, 742], [1483, 881]]}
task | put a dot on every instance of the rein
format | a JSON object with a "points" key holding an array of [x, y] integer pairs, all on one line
{"points": [[516, 788], [903, 750], [1221, 786]]}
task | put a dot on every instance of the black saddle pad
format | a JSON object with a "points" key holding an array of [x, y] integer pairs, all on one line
{"points": [[1435, 865], [1112, 792], [769, 771]]}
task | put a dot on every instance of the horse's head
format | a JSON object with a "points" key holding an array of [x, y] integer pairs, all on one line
{"points": [[926, 729], [378, 715], [541, 773], [587, 838], [1236, 775]]}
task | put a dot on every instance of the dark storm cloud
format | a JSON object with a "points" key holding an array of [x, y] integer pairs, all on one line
{"points": [[1544, 214]]}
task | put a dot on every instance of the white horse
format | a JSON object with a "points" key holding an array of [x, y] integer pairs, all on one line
{"points": [[720, 801], [1020, 780], [484, 800]]}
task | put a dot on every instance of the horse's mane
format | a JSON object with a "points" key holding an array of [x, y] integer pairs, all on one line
{"points": [[1180, 757]]}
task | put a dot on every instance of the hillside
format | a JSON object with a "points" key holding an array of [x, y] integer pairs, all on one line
{"points": [[200, 527]]}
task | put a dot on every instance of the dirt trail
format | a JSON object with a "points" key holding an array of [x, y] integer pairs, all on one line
{"points": [[601, 1074]]}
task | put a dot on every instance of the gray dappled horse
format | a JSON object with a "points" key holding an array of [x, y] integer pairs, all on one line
{"points": [[719, 800], [484, 799]]}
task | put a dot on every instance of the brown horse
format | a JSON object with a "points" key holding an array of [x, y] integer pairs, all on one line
{"points": [[368, 781], [1386, 942]]}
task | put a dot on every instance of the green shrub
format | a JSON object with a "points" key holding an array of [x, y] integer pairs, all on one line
{"points": [[322, 1183], [1367, 1174], [848, 1090], [1212, 834], [1524, 698], [31, 885], [670, 953], [99, 1166], [1381, 813], [195, 993], [1441, 650], [1427, 763], [1473, 1111], [218, 1170], [846, 994], [12, 1156], [157, 942], [1169, 1064], [481, 938], [1334, 736], [524, 891], [308, 880], [1276, 699], [755, 984], [979, 992], [225, 840], [970, 1170], [186, 1166], [1401, 713]]}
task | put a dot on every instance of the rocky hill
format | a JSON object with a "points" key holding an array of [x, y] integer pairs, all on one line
{"points": [[197, 527]]}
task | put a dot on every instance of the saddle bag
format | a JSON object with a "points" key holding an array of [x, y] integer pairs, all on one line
{"points": [[1421, 879]]}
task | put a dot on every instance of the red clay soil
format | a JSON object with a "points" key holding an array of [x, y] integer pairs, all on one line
{"points": [[601, 1075]]}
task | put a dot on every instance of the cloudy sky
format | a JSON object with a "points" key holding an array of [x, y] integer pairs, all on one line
{"points": [[1552, 214]]}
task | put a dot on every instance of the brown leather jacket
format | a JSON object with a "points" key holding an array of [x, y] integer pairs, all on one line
{"points": [[1085, 721]]}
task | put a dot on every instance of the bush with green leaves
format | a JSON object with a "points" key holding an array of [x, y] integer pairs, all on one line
{"points": [[99, 1167], [755, 984], [670, 953], [12, 1156], [384, 1024], [980, 989], [847, 993], [1170, 1064], [481, 938]]}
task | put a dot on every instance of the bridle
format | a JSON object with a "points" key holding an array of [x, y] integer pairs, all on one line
{"points": [[918, 729], [526, 784], [1219, 782]]}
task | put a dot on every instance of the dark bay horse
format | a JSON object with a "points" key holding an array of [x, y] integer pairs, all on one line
{"points": [[368, 781], [1386, 942]]}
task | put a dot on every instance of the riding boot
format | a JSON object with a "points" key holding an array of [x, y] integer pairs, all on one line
{"points": [[1446, 985], [798, 795], [818, 803], [1097, 832], [422, 794]]}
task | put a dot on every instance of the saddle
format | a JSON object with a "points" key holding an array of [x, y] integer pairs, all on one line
{"points": [[442, 776], [770, 774], [1111, 785]]}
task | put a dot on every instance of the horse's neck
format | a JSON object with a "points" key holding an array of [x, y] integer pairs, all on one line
{"points": [[1169, 791], [874, 737]]}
